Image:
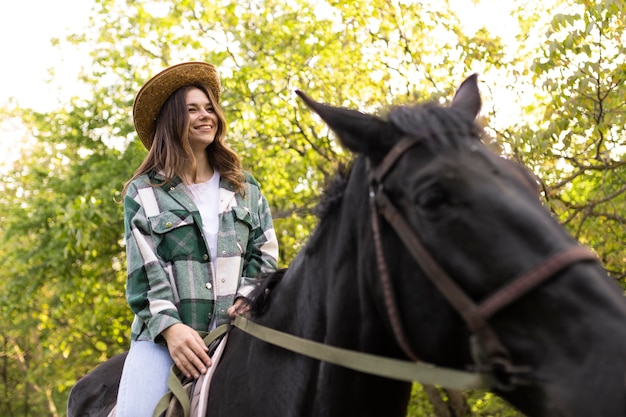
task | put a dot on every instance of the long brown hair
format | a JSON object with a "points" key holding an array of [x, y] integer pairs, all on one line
{"points": [[171, 152]]}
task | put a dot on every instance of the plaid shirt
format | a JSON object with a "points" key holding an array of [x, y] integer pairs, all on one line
{"points": [[170, 270]]}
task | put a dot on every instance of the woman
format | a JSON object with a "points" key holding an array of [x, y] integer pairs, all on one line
{"points": [[198, 232]]}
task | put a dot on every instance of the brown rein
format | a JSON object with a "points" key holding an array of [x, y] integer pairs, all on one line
{"points": [[474, 315]]}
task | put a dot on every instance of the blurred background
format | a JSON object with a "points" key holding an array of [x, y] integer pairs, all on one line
{"points": [[551, 74]]}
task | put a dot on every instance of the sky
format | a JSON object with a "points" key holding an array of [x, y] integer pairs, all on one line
{"points": [[27, 55], [26, 28]]}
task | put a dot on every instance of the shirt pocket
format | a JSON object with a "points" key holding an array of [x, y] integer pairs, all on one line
{"points": [[179, 236], [245, 224]]}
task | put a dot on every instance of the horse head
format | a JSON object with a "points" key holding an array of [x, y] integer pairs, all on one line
{"points": [[453, 224]]}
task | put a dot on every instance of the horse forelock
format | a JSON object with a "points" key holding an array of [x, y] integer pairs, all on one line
{"points": [[442, 127]]}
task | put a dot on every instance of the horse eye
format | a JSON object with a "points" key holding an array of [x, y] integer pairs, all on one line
{"points": [[432, 197]]}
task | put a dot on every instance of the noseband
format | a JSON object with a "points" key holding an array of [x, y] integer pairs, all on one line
{"points": [[489, 353]]}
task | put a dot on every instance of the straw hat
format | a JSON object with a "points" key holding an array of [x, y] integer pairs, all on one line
{"points": [[155, 92]]}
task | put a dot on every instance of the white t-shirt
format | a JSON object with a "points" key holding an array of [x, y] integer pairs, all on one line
{"points": [[206, 196]]}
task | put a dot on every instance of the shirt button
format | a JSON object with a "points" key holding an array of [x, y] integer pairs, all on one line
{"points": [[208, 287], [223, 280], [205, 256], [168, 224], [172, 188]]}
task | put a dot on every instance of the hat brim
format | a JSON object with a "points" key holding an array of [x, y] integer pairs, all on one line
{"points": [[155, 92]]}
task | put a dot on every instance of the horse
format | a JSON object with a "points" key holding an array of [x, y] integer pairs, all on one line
{"points": [[95, 394], [432, 248]]}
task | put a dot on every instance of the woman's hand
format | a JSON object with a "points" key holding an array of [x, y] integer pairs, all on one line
{"points": [[187, 349], [239, 307]]}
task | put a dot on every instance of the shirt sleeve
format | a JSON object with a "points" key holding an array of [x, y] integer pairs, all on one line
{"points": [[148, 290], [262, 251]]}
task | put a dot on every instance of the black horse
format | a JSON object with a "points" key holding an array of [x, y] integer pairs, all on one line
{"points": [[432, 248]]}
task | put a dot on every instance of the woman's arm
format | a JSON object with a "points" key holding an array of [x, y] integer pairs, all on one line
{"points": [[148, 290]]}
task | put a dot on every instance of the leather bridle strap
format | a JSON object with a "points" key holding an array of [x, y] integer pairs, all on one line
{"points": [[388, 292], [475, 316], [438, 277], [379, 200], [531, 279], [406, 143]]}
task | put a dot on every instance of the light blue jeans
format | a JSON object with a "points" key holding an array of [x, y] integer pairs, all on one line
{"points": [[144, 379]]}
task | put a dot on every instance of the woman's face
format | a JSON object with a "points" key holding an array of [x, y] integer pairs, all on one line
{"points": [[202, 120]]}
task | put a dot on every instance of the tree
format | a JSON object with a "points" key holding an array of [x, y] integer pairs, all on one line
{"points": [[63, 276], [62, 235], [577, 147]]}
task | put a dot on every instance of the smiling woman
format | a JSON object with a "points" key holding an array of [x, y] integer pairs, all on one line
{"points": [[198, 232]]}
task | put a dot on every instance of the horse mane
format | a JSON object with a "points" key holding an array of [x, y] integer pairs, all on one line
{"points": [[333, 191], [259, 298], [445, 126]]}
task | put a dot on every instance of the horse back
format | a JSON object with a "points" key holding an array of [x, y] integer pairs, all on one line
{"points": [[95, 394]]}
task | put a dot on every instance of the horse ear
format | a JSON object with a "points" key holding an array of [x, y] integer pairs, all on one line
{"points": [[359, 132], [467, 97]]}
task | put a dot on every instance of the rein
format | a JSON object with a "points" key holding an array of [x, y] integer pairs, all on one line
{"points": [[475, 316], [365, 362]]}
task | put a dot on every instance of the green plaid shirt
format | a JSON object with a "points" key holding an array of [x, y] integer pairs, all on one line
{"points": [[170, 270]]}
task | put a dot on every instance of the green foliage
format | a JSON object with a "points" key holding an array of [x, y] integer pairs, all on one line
{"points": [[487, 404], [477, 404], [63, 280], [419, 405], [578, 146], [61, 235]]}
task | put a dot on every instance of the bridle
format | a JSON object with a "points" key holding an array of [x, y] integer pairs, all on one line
{"points": [[493, 366], [489, 353]]}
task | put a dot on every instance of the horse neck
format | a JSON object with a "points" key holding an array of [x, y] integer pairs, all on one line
{"points": [[324, 295]]}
